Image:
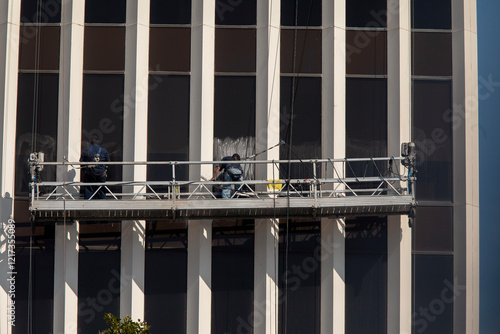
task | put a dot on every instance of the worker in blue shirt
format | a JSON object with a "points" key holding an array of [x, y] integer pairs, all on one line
{"points": [[94, 173], [232, 172]]}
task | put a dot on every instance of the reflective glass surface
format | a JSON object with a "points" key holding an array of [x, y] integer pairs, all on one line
{"points": [[236, 12], [104, 48], [41, 11], [36, 126], [433, 119], [105, 11], [47, 41], [432, 54], [301, 48], [431, 14], [366, 52], [303, 12], [170, 12], [366, 13], [235, 50], [170, 49], [433, 230]]}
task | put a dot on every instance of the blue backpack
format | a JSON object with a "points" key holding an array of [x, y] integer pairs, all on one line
{"points": [[100, 169]]}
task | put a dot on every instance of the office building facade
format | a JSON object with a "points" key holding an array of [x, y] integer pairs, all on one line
{"points": [[196, 80]]}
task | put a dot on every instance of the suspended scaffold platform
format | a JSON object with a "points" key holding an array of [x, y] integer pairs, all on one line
{"points": [[316, 188]]}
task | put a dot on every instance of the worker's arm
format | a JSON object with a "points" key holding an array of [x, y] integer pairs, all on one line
{"points": [[215, 173]]}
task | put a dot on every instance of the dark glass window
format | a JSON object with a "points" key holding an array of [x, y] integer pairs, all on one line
{"points": [[366, 13], [41, 11], [102, 115], [299, 278], [234, 118], [433, 230], [170, 49], [36, 309], [300, 128], [232, 275], [366, 52], [47, 41], [366, 117], [98, 274], [105, 11], [366, 275], [166, 293], [235, 50], [170, 12], [433, 118], [236, 12], [306, 14], [104, 48], [432, 54], [36, 126], [168, 125], [433, 294], [431, 14], [307, 51]]}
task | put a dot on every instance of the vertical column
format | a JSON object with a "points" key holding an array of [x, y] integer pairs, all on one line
{"points": [[132, 269], [201, 132], [66, 278], [70, 85], [268, 85], [10, 12], [266, 277], [465, 166], [199, 293], [399, 130], [332, 275], [135, 124]]}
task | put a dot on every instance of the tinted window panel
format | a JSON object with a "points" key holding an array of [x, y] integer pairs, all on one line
{"points": [[168, 125], [105, 11], [366, 13], [366, 117], [104, 48], [302, 130], [299, 279], [235, 50], [433, 294], [38, 119], [434, 229], [41, 11], [232, 279], [307, 51], [102, 115], [432, 134], [431, 14], [170, 49], [239, 12], [366, 275], [432, 54], [170, 12], [166, 294], [47, 39], [308, 13], [366, 52]]}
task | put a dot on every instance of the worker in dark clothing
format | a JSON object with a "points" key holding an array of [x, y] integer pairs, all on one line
{"points": [[94, 173], [232, 172]]}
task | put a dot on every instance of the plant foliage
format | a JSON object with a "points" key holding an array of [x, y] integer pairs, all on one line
{"points": [[124, 326]]}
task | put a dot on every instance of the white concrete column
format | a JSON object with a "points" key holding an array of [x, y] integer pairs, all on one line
{"points": [[132, 269], [265, 320], [66, 278], [399, 276], [135, 135], [465, 166], [70, 86], [201, 119], [199, 285], [332, 257], [268, 86], [10, 13]]}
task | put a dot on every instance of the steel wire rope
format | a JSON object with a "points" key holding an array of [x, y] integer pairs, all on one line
{"points": [[34, 131]]}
